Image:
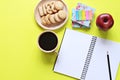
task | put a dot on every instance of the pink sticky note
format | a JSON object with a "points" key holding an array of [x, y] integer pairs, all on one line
{"points": [[87, 14]]}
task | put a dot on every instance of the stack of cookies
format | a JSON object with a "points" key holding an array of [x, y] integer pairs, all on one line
{"points": [[52, 12]]}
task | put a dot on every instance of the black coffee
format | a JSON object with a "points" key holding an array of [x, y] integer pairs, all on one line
{"points": [[48, 41]]}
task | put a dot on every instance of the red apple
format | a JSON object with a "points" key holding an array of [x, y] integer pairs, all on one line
{"points": [[104, 21]]}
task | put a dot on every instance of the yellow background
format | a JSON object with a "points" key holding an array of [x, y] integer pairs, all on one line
{"points": [[20, 58]]}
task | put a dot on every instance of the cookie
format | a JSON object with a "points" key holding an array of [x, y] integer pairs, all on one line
{"points": [[52, 19], [48, 7], [44, 9], [47, 19], [57, 18], [59, 5], [52, 3], [40, 11], [43, 21], [62, 14], [47, 4], [49, 10]]}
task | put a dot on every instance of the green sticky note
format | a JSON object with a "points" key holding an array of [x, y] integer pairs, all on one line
{"points": [[80, 14]]}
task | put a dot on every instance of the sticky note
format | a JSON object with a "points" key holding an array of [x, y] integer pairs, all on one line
{"points": [[80, 14], [77, 15], [73, 14], [90, 15], [83, 15], [87, 15]]}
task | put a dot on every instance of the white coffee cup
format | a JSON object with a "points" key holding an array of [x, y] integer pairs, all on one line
{"points": [[48, 41]]}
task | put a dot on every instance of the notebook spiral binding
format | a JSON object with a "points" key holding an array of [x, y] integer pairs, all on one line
{"points": [[88, 58]]}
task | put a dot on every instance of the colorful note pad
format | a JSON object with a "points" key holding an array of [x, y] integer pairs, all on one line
{"points": [[78, 15], [82, 15]]}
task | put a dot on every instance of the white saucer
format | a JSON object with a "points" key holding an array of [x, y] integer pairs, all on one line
{"points": [[53, 26]]}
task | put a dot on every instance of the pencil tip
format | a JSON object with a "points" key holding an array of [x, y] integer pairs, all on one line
{"points": [[107, 53]]}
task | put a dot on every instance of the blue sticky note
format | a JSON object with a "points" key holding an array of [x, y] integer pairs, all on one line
{"points": [[73, 15], [77, 15]]}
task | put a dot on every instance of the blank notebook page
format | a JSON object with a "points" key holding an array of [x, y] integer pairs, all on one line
{"points": [[72, 54], [98, 68]]}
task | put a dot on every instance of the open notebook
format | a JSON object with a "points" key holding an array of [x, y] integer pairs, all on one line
{"points": [[84, 56]]}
